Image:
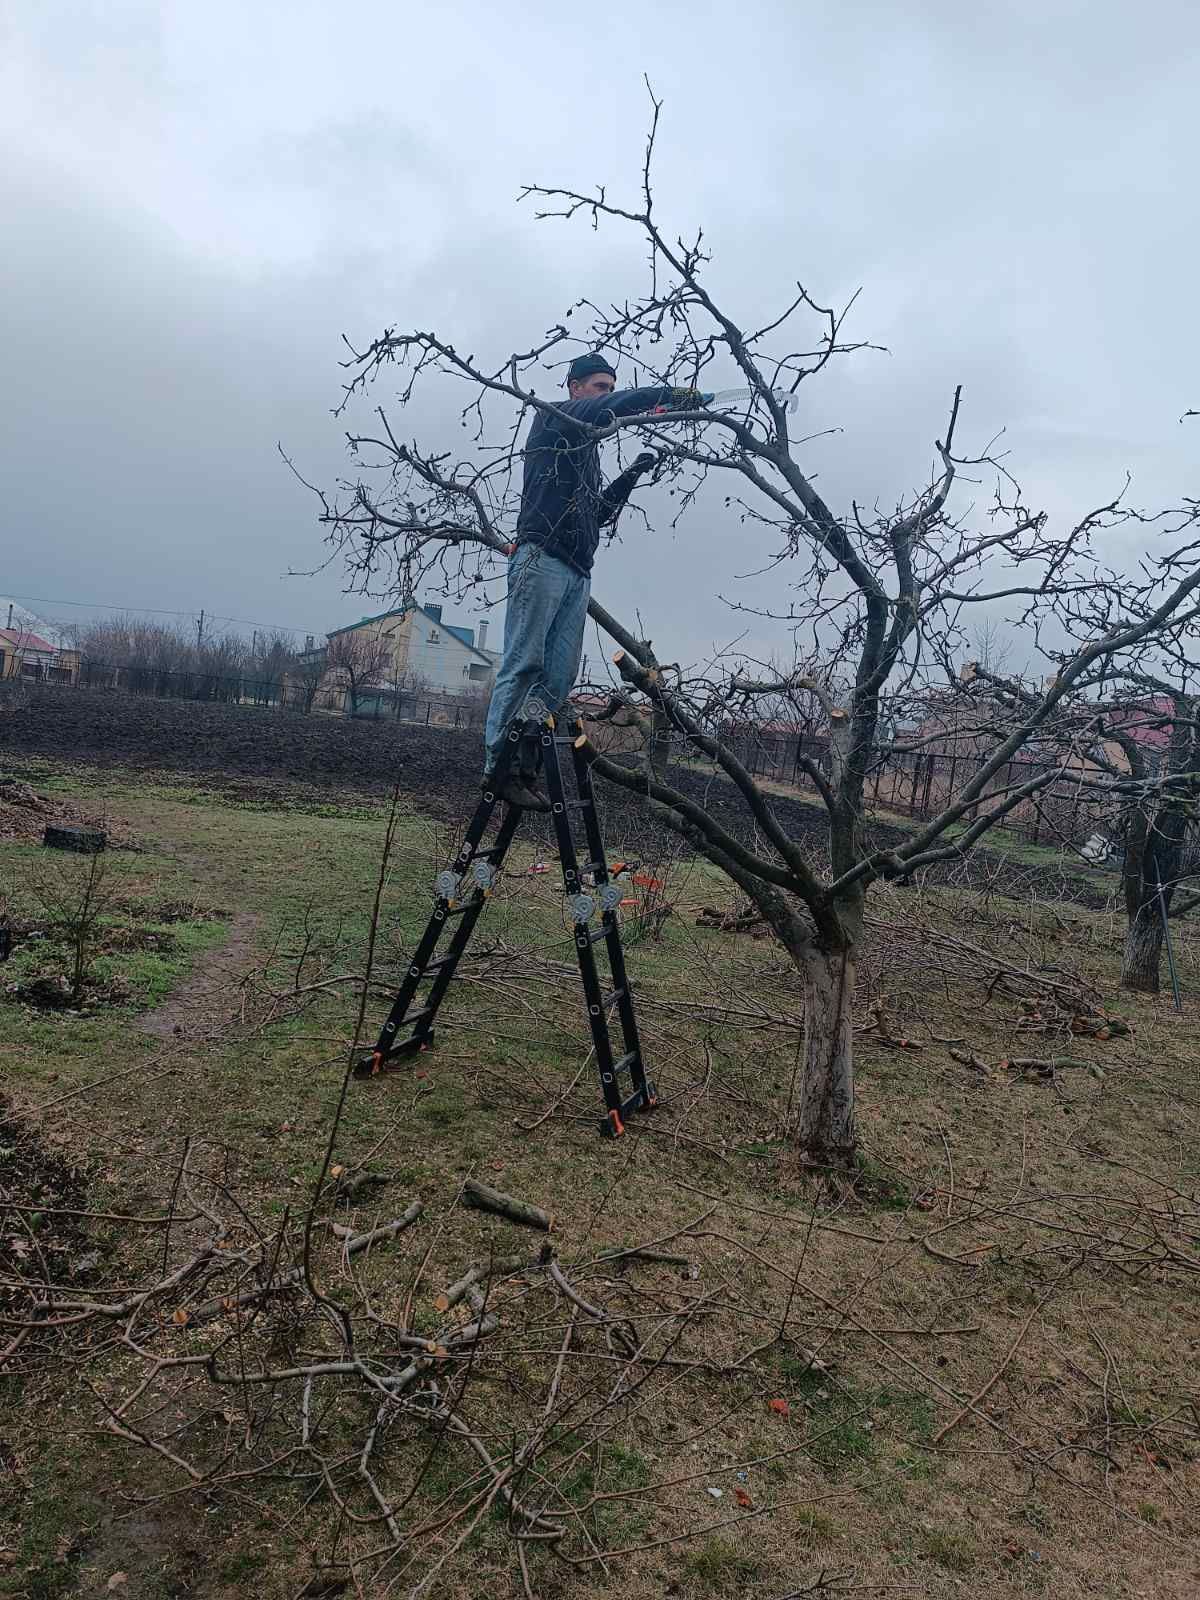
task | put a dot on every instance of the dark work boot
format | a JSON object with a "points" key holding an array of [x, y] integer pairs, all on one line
{"points": [[529, 758], [517, 791]]}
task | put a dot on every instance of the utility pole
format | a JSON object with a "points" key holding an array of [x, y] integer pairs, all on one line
{"points": [[200, 629]]}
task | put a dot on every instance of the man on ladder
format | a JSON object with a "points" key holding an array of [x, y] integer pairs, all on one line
{"points": [[563, 508]]}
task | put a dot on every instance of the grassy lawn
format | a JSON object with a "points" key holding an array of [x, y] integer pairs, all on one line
{"points": [[1027, 1242]]}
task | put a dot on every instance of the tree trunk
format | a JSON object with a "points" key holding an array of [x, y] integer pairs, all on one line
{"points": [[826, 1132], [658, 752], [1143, 950]]}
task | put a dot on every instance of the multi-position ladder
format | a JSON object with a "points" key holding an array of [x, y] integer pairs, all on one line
{"points": [[464, 889]]}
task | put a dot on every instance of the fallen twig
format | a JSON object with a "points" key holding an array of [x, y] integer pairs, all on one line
{"points": [[483, 1198]]}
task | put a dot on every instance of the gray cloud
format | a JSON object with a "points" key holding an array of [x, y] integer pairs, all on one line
{"points": [[199, 201]]}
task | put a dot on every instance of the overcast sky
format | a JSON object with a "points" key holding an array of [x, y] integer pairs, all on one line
{"points": [[198, 199]]}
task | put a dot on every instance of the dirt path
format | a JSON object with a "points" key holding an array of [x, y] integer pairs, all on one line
{"points": [[207, 998]]}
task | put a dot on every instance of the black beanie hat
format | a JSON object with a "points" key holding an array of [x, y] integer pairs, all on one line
{"points": [[583, 367]]}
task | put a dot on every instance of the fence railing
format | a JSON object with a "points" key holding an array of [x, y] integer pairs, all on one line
{"points": [[283, 692], [910, 784], [920, 785]]}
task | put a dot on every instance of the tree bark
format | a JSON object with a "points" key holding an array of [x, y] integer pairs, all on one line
{"points": [[658, 750], [484, 1198], [826, 1134], [1143, 950]]}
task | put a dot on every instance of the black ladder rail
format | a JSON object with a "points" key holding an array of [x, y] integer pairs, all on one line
{"points": [[463, 892], [467, 912], [618, 1104], [645, 1095]]}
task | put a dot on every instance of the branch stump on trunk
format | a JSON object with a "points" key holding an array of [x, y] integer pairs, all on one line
{"points": [[70, 836]]}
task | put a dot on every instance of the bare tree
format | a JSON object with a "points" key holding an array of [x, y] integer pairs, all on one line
{"points": [[272, 658], [1141, 747], [164, 659], [357, 661], [1160, 812], [305, 675], [881, 593], [1133, 721]]}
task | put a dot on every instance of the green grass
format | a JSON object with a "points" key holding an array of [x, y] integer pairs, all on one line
{"points": [[956, 1552], [908, 1413], [814, 1527], [849, 1422], [720, 1567], [52, 1537], [260, 1099], [614, 1469]]}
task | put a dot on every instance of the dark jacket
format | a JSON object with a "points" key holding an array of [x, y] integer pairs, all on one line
{"points": [[563, 504]]}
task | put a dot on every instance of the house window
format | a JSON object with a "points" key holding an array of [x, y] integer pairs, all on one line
{"points": [[434, 636], [476, 672]]}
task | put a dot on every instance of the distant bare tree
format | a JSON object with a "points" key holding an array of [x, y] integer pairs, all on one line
{"points": [[305, 676], [272, 659], [993, 647], [357, 661], [1139, 750], [222, 664], [879, 596], [144, 651], [1161, 809], [166, 659]]}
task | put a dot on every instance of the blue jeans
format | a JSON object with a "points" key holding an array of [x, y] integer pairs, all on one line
{"points": [[543, 640]]}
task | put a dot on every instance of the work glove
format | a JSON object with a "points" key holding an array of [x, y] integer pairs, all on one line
{"points": [[643, 462], [688, 399]]}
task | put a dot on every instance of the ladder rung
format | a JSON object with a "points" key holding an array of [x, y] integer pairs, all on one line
{"points": [[436, 966], [414, 1017], [627, 1094], [612, 1123]]}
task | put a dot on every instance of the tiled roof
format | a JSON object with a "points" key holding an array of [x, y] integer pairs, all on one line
{"points": [[18, 638]]}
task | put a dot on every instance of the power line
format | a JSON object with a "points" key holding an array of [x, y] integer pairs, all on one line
{"points": [[159, 611]]}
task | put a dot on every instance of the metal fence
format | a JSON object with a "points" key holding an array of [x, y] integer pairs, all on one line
{"points": [[920, 785], [284, 693], [910, 784]]}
